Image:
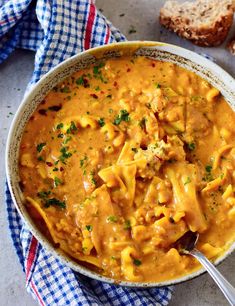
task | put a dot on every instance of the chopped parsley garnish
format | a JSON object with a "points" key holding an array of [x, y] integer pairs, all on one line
{"points": [[142, 123], [55, 169], [57, 181], [188, 180], [40, 158], [208, 175], [96, 68], [137, 262], [208, 168], [191, 146], [43, 194], [40, 146], [93, 180], [67, 139], [48, 202], [82, 161], [132, 29], [112, 219], [55, 202], [97, 88], [109, 96], [65, 89], [127, 224], [89, 228], [158, 85], [101, 122], [80, 80], [134, 150], [72, 129], [64, 154], [122, 116], [59, 126]]}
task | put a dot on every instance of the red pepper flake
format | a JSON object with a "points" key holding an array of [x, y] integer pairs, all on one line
{"points": [[115, 84], [86, 83], [61, 169], [153, 64], [128, 70], [43, 102], [32, 118], [42, 112], [94, 96], [102, 92], [49, 164], [164, 138]]}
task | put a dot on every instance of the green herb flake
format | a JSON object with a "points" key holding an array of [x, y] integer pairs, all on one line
{"points": [[93, 180], [67, 140], [55, 169], [82, 161], [132, 30], [57, 181], [89, 228], [122, 116], [127, 224], [97, 88], [40, 158], [158, 85], [59, 126], [55, 202], [43, 194], [142, 123], [65, 89], [112, 219], [72, 129], [134, 150], [191, 146], [40, 146], [64, 154], [101, 122], [208, 168], [188, 180], [137, 262]]}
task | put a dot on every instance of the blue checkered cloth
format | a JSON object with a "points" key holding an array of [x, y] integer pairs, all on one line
{"points": [[56, 30]]}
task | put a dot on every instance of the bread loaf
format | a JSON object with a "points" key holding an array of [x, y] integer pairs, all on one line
{"points": [[204, 22]]}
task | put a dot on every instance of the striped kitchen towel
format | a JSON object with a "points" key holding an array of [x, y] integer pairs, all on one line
{"points": [[56, 30]]}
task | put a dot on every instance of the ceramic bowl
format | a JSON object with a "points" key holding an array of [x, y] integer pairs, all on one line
{"points": [[154, 50]]}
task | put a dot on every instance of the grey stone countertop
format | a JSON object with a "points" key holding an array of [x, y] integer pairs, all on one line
{"points": [[15, 72]]}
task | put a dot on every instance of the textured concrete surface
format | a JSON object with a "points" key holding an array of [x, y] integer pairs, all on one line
{"points": [[129, 16]]}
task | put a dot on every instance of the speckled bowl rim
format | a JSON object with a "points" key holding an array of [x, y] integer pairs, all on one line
{"points": [[183, 57]]}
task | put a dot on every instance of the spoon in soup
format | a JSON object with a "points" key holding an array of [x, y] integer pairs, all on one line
{"points": [[186, 246]]}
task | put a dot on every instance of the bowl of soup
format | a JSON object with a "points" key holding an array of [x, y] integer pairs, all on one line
{"points": [[119, 151]]}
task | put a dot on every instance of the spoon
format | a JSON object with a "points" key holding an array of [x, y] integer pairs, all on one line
{"points": [[186, 245]]}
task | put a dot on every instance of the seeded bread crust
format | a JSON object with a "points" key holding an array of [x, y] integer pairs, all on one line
{"points": [[193, 21]]}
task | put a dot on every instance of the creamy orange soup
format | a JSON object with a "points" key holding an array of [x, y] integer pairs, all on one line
{"points": [[122, 159]]}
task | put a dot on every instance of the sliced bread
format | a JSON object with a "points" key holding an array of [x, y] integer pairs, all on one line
{"points": [[204, 22]]}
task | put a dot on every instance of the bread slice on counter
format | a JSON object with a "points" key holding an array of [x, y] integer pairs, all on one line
{"points": [[204, 22]]}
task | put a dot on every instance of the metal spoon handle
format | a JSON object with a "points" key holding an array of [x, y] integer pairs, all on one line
{"points": [[227, 289]]}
